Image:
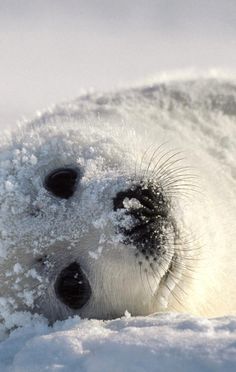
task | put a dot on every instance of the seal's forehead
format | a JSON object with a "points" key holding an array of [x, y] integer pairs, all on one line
{"points": [[32, 153]]}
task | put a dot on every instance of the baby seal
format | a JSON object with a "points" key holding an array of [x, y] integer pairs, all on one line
{"points": [[122, 201]]}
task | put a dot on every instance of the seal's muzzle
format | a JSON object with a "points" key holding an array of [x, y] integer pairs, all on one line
{"points": [[151, 213]]}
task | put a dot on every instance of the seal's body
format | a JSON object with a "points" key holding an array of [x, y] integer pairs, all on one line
{"points": [[122, 201]]}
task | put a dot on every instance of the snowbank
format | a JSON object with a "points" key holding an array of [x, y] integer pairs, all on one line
{"points": [[157, 343]]}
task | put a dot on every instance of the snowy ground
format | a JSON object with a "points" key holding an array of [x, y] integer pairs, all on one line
{"points": [[160, 343]]}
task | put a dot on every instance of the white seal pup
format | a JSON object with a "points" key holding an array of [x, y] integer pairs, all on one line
{"points": [[122, 201]]}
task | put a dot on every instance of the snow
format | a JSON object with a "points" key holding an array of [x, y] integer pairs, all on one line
{"points": [[163, 342]]}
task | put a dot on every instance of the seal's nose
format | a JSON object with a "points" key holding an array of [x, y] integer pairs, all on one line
{"points": [[149, 208], [72, 287]]}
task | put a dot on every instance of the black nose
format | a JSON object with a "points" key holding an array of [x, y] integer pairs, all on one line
{"points": [[72, 287], [61, 182], [151, 216]]}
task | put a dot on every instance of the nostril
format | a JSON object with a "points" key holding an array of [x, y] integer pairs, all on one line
{"points": [[118, 201], [144, 202], [72, 287], [61, 182], [143, 196]]}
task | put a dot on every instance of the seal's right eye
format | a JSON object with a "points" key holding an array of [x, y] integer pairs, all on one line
{"points": [[61, 182]]}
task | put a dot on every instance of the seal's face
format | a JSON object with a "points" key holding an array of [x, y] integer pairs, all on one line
{"points": [[84, 230]]}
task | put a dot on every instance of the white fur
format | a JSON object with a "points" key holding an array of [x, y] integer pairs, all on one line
{"points": [[114, 139]]}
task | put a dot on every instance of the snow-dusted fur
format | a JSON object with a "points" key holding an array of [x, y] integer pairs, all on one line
{"points": [[178, 136]]}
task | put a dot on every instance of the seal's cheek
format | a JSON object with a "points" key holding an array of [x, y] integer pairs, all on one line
{"points": [[72, 287]]}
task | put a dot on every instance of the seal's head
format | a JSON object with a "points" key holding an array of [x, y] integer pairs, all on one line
{"points": [[87, 224], [97, 217]]}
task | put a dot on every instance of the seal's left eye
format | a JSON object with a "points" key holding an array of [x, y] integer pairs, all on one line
{"points": [[61, 182], [72, 286]]}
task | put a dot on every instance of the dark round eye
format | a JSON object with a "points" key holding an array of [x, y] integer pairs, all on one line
{"points": [[61, 182], [72, 286]]}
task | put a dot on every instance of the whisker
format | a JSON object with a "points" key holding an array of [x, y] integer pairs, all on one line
{"points": [[165, 162], [153, 157], [143, 157]]}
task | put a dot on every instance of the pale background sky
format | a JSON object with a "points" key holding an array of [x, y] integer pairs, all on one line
{"points": [[50, 50]]}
